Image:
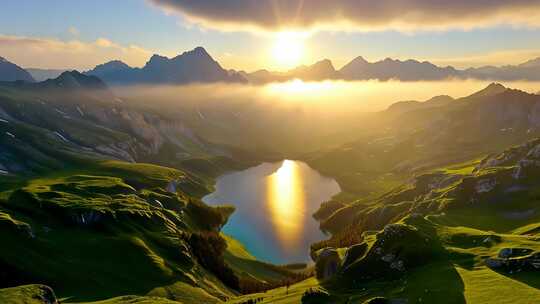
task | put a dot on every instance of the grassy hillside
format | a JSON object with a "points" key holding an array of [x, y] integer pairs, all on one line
{"points": [[450, 269], [396, 145], [50, 125], [108, 231], [468, 233]]}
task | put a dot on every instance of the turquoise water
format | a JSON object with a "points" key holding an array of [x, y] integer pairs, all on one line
{"points": [[274, 206]]}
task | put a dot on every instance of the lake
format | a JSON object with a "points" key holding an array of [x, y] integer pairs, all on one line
{"points": [[274, 206]]}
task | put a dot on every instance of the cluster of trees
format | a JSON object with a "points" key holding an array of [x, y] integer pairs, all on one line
{"points": [[208, 248], [210, 218], [327, 209], [347, 237]]}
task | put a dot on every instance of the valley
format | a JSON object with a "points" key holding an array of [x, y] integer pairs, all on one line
{"points": [[146, 194]]}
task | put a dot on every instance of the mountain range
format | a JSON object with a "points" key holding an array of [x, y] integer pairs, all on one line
{"points": [[192, 66], [163, 70], [197, 66], [394, 69]]}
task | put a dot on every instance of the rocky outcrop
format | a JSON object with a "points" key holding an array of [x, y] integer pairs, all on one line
{"points": [[515, 260], [398, 248], [28, 294], [485, 185], [87, 218]]}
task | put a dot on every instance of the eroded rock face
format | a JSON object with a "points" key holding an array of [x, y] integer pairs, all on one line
{"points": [[327, 263], [87, 218], [121, 151]]}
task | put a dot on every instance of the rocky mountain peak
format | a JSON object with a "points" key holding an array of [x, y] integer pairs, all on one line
{"points": [[156, 59], [325, 64], [492, 89], [197, 53], [113, 65], [76, 80], [12, 72], [359, 60]]}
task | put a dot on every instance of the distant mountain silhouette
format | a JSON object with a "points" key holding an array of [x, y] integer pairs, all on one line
{"points": [[321, 70], [74, 80], [67, 81], [44, 74], [197, 66], [114, 71], [192, 66], [412, 105], [529, 70], [12, 72], [388, 69], [409, 70]]}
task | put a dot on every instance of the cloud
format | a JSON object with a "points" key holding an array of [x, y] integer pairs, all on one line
{"points": [[362, 15], [496, 58], [73, 54]]}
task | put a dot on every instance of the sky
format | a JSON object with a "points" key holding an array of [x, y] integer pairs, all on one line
{"points": [[244, 34]]}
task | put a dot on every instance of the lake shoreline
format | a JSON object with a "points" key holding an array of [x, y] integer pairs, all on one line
{"points": [[279, 227]]}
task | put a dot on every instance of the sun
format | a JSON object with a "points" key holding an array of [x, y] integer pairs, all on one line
{"points": [[288, 49]]}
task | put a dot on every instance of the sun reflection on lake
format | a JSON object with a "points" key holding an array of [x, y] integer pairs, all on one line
{"points": [[286, 201], [274, 203]]}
